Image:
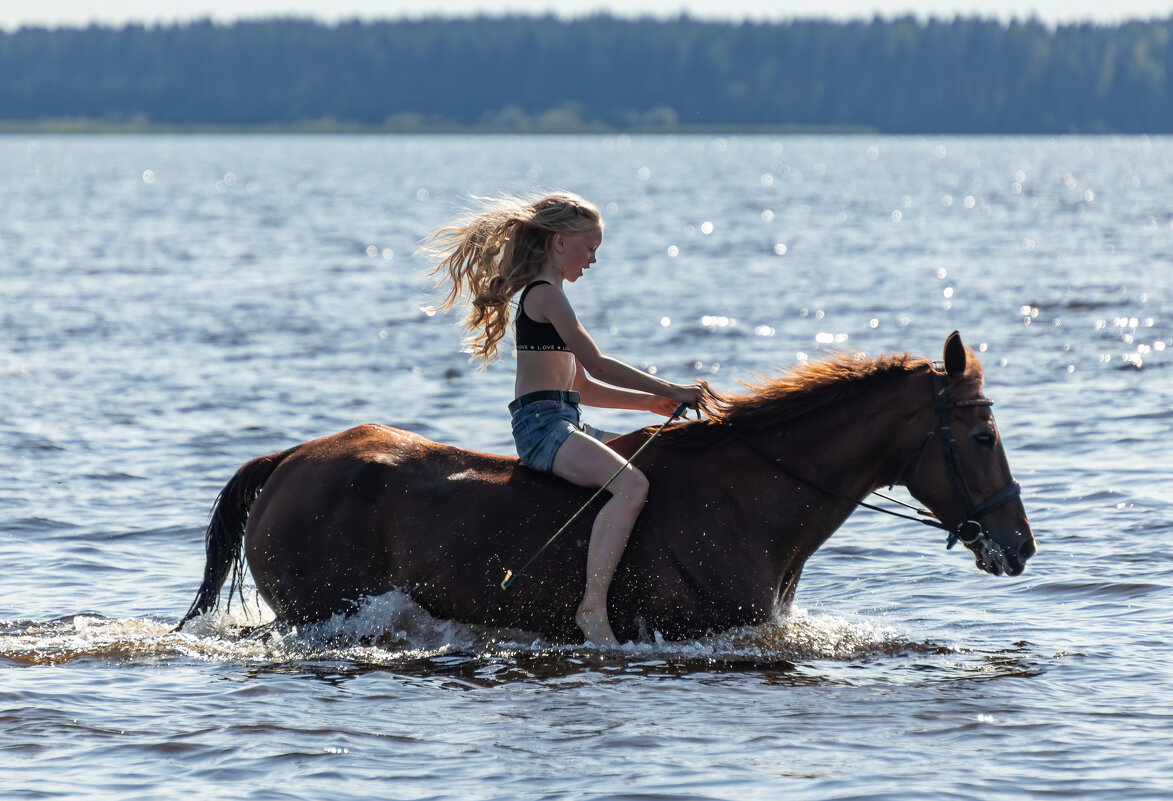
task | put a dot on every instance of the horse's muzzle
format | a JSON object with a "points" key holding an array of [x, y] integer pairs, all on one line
{"points": [[992, 557]]}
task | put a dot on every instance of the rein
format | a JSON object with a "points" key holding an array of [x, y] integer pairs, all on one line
{"points": [[968, 530]]}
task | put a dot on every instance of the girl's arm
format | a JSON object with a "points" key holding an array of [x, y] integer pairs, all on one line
{"points": [[594, 393], [552, 305]]}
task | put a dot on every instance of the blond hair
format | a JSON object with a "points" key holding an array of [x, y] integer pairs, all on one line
{"points": [[498, 251]]}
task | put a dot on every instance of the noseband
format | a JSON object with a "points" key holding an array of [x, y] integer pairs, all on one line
{"points": [[968, 530]]}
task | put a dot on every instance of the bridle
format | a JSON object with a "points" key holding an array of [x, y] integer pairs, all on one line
{"points": [[968, 530]]}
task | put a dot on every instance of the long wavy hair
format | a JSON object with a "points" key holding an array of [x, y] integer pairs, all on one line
{"points": [[490, 256]]}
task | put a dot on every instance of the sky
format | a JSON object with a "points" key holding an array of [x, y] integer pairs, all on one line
{"points": [[69, 13]]}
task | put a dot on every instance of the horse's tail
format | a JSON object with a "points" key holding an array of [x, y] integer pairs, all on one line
{"points": [[225, 534]]}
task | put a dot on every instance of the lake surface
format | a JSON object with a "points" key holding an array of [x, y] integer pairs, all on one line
{"points": [[173, 306]]}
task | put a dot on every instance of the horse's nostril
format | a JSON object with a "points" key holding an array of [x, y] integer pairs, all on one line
{"points": [[1027, 550]]}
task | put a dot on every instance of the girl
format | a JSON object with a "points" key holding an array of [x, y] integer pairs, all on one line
{"points": [[532, 247]]}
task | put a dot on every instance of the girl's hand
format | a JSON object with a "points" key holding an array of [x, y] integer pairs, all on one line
{"points": [[662, 405], [694, 396]]}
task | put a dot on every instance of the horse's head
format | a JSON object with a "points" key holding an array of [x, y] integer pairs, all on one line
{"points": [[962, 474]]}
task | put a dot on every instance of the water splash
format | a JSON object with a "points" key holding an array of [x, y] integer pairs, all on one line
{"points": [[392, 631]]}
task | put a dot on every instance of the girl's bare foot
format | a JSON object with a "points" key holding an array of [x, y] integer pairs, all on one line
{"points": [[595, 626]]}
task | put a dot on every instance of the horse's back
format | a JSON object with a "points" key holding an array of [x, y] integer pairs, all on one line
{"points": [[358, 513]]}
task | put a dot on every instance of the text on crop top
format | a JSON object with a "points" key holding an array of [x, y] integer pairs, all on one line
{"points": [[532, 335]]}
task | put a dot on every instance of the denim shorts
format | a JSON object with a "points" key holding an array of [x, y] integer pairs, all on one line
{"points": [[540, 428]]}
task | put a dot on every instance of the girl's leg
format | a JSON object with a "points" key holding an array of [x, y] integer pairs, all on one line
{"points": [[589, 463]]}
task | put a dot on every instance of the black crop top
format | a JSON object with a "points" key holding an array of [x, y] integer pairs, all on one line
{"points": [[532, 335]]}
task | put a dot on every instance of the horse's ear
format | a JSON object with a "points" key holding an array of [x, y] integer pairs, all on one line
{"points": [[954, 355]]}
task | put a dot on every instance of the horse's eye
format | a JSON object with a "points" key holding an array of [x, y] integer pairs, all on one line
{"points": [[984, 438]]}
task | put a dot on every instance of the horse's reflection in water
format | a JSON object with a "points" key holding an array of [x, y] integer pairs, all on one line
{"points": [[738, 503]]}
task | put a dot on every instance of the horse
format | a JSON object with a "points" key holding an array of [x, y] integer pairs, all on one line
{"points": [[738, 502]]}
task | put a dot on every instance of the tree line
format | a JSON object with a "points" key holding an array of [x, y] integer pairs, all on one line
{"points": [[548, 74]]}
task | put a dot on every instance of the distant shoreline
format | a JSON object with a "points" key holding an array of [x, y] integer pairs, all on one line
{"points": [[480, 76], [335, 127]]}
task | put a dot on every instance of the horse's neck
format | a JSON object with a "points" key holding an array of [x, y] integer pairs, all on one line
{"points": [[859, 445]]}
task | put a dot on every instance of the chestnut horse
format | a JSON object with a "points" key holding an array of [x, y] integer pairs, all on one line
{"points": [[737, 504]]}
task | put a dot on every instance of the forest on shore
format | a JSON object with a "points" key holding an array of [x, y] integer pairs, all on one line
{"points": [[545, 74]]}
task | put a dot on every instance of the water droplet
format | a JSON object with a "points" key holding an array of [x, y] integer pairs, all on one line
{"points": [[706, 228], [673, 251], [780, 249], [148, 176], [665, 321], [873, 323], [643, 173], [372, 251]]}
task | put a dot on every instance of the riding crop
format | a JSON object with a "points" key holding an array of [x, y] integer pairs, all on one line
{"points": [[510, 576]]}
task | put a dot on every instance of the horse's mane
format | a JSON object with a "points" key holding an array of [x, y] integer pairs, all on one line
{"points": [[808, 387]]}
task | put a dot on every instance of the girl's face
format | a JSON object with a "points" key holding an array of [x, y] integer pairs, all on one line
{"points": [[576, 251]]}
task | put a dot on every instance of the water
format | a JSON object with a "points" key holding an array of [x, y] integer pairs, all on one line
{"points": [[174, 306]]}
